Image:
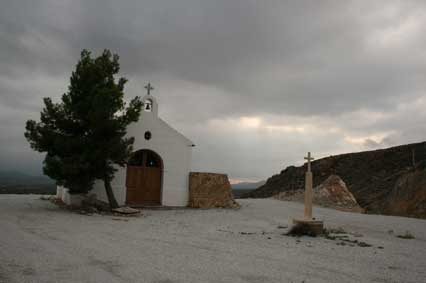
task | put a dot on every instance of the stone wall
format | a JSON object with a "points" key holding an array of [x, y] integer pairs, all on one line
{"points": [[208, 190]]}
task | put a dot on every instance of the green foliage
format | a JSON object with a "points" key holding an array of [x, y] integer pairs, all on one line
{"points": [[84, 135]]}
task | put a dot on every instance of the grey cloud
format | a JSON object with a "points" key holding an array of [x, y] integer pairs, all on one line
{"points": [[216, 59]]}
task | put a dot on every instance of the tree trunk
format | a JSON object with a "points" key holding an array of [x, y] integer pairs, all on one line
{"points": [[111, 198]]}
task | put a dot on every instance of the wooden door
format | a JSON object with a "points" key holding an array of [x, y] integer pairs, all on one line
{"points": [[143, 180]]}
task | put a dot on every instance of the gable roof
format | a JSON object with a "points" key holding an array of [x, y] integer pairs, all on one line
{"points": [[177, 132]]}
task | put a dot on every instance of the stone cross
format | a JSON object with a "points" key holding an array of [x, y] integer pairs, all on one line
{"points": [[308, 189], [149, 88], [309, 158]]}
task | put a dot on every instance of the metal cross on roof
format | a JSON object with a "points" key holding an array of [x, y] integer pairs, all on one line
{"points": [[309, 158], [149, 88]]}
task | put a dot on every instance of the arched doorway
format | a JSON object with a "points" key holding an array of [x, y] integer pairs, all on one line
{"points": [[144, 178]]}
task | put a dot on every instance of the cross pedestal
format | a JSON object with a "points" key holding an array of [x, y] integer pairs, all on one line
{"points": [[308, 195], [308, 224]]}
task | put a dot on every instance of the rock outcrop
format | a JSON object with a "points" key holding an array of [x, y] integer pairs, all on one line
{"points": [[408, 196], [209, 190], [331, 193], [371, 176]]}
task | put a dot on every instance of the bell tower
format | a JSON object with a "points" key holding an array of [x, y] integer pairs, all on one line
{"points": [[150, 105]]}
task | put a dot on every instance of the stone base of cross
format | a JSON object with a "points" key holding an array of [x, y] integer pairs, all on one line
{"points": [[308, 225]]}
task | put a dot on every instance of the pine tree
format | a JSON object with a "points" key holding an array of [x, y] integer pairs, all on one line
{"points": [[84, 136]]}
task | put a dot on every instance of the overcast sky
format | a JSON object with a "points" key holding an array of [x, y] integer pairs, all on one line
{"points": [[255, 84]]}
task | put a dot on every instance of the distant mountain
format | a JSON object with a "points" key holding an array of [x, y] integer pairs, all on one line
{"points": [[19, 178], [247, 185], [385, 181], [14, 182]]}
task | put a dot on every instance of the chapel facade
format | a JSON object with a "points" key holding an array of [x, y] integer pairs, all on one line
{"points": [[156, 173]]}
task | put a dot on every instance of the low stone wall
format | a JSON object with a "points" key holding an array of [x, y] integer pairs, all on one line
{"points": [[208, 190]]}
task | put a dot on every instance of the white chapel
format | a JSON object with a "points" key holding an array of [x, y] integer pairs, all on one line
{"points": [[157, 172]]}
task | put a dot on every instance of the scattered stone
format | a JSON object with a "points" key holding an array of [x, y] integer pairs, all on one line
{"points": [[247, 233], [85, 212], [227, 231], [47, 197], [89, 206], [282, 227], [363, 244], [58, 202], [120, 219], [380, 247], [407, 236], [92, 203], [342, 237], [330, 237], [390, 232], [305, 229], [338, 230], [330, 234], [126, 210], [358, 235]]}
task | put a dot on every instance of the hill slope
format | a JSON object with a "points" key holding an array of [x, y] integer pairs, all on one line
{"points": [[373, 177], [19, 178], [14, 182], [247, 185]]}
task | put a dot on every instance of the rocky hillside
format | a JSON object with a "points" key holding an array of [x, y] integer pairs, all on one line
{"points": [[388, 181], [408, 196]]}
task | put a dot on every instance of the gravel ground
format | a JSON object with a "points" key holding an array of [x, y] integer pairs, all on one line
{"points": [[40, 242]]}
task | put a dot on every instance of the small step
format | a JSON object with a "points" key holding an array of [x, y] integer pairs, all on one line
{"points": [[157, 207]]}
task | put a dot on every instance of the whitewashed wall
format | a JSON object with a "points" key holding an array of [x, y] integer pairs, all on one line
{"points": [[175, 151]]}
